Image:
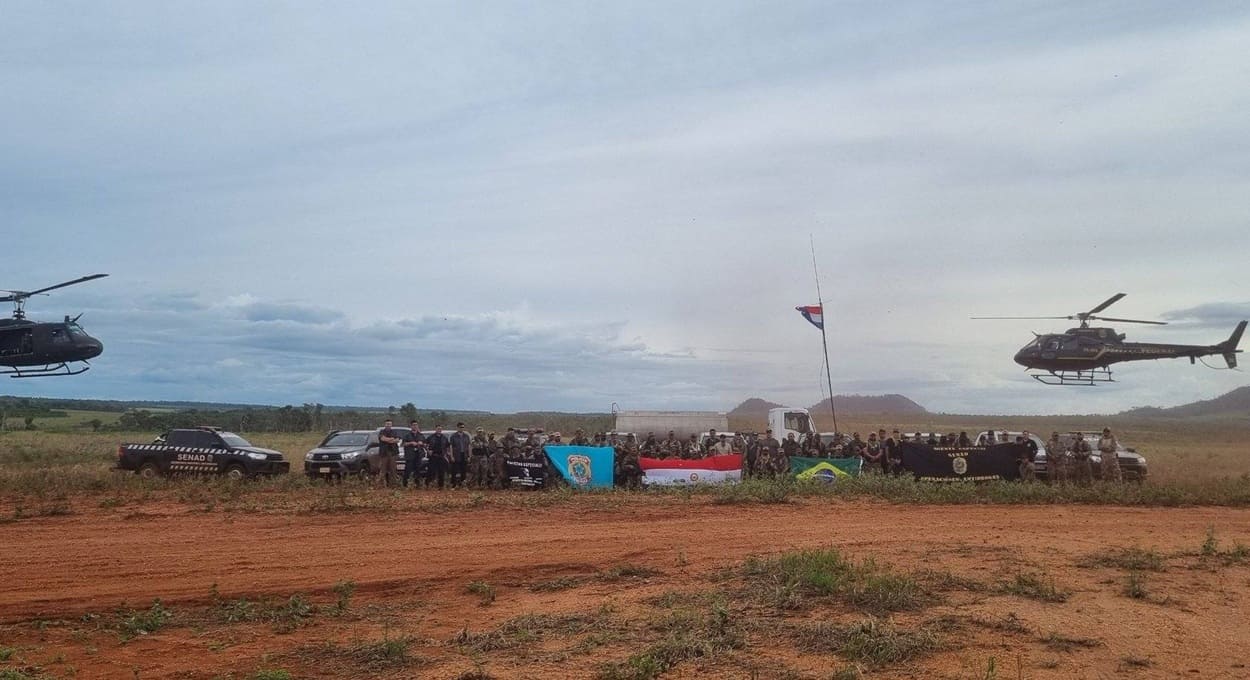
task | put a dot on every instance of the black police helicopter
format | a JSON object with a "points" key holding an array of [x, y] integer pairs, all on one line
{"points": [[33, 349], [1082, 356]]}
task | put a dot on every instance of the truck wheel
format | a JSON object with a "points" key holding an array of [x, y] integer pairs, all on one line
{"points": [[149, 470], [236, 472]]}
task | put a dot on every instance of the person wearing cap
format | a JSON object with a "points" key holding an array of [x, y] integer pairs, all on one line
{"points": [[769, 452], [893, 462], [1109, 449], [388, 451], [437, 466], [579, 439], [510, 440], [414, 448], [1057, 460], [671, 447], [498, 460], [461, 444], [1082, 466], [479, 466]]}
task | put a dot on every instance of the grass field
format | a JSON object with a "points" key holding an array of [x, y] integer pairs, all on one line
{"points": [[48, 472]]}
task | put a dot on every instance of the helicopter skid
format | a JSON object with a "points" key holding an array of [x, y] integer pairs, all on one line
{"points": [[1087, 378], [46, 371]]}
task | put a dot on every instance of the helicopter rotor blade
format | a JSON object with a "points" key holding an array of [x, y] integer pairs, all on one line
{"points": [[62, 285], [1021, 317], [1108, 318], [1110, 301]]}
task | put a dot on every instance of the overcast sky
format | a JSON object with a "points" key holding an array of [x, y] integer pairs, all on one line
{"points": [[524, 205]]}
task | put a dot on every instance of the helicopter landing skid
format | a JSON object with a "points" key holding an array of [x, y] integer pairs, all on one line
{"points": [[1088, 378], [46, 371]]}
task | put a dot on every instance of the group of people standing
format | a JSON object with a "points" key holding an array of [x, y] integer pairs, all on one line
{"points": [[1074, 462]]}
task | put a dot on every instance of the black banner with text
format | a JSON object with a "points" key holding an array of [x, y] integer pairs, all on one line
{"points": [[955, 464]]}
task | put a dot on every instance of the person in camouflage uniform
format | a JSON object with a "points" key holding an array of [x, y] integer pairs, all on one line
{"points": [[579, 439], [509, 440], [751, 455], [769, 452], [692, 450], [629, 466], [1109, 451], [671, 447], [479, 469], [1083, 467], [1057, 464], [498, 462]]}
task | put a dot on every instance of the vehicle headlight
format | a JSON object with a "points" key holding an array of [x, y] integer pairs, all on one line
{"points": [[256, 456], [351, 455], [309, 456]]}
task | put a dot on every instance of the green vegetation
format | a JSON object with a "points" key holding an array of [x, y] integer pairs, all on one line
{"points": [[870, 642], [796, 580], [686, 636], [344, 591], [1064, 643], [483, 590], [1135, 586], [1130, 559], [142, 623], [275, 674], [1034, 587]]}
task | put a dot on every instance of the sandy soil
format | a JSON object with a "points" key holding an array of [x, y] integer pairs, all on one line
{"points": [[66, 578]]}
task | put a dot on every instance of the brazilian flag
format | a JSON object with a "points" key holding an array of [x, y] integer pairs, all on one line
{"points": [[827, 470]]}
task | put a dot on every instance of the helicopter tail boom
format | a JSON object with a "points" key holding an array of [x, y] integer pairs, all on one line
{"points": [[1229, 347]]}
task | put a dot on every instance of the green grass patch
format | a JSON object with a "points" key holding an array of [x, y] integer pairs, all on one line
{"points": [[687, 635], [625, 571], [870, 642], [1034, 587], [137, 623], [792, 580], [483, 590], [1065, 643], [1129, 559], [1135, 586], [270, 674], [561, 583]]}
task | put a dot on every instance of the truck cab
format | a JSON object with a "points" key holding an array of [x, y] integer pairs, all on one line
{"points": [[785, 421]]}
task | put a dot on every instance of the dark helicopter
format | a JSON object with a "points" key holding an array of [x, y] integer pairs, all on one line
{"points": [[33, 349], [1081, 356]]}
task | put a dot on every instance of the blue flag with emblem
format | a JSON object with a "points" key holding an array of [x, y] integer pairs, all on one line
{"points": [[583, 466]]}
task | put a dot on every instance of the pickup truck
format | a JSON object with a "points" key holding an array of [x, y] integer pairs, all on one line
{"points": [[202, 450]]}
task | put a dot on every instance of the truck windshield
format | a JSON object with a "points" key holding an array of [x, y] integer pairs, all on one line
{"points": [[233, 439], [799, 422], [348, 439]]}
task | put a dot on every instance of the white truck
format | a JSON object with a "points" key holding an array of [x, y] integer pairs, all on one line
{"points": [[786, 420], [682, 423]]}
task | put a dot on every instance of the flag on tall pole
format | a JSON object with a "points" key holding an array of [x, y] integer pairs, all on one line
{"points": [[814, 314]]}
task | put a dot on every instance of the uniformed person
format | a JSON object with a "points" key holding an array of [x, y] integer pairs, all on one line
{"points": [[630, 466], [498, 460], [1057, 466], [871, 453], [388, 452], [671, 447], [769, 452], [579, 439], [1109, 448], [479, 471], [693, 450], [438, 447], [461, 449], [414, 449], [510, 440], [1024, 460], [1083, 467]]}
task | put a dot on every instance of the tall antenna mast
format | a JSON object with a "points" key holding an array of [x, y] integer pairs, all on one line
{"points": [[824, 340]]}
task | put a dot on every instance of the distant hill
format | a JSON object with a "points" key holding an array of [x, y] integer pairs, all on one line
{"points": [[857, 404], [850, 404], [1235, 403], [753, 408]]}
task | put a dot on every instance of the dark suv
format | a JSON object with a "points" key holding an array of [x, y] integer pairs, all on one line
{"points": [[202, 450], [348, 452]]}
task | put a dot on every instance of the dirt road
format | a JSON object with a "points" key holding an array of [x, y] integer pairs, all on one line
{"points": [[415, 568]]}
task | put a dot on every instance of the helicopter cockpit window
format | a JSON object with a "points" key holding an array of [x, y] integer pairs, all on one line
{"points": [[1037, 343], [1052, 345], [59, 336], [75, 331]]}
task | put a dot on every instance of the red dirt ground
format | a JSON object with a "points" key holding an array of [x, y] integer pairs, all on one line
{"points": [[412, 570]]}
